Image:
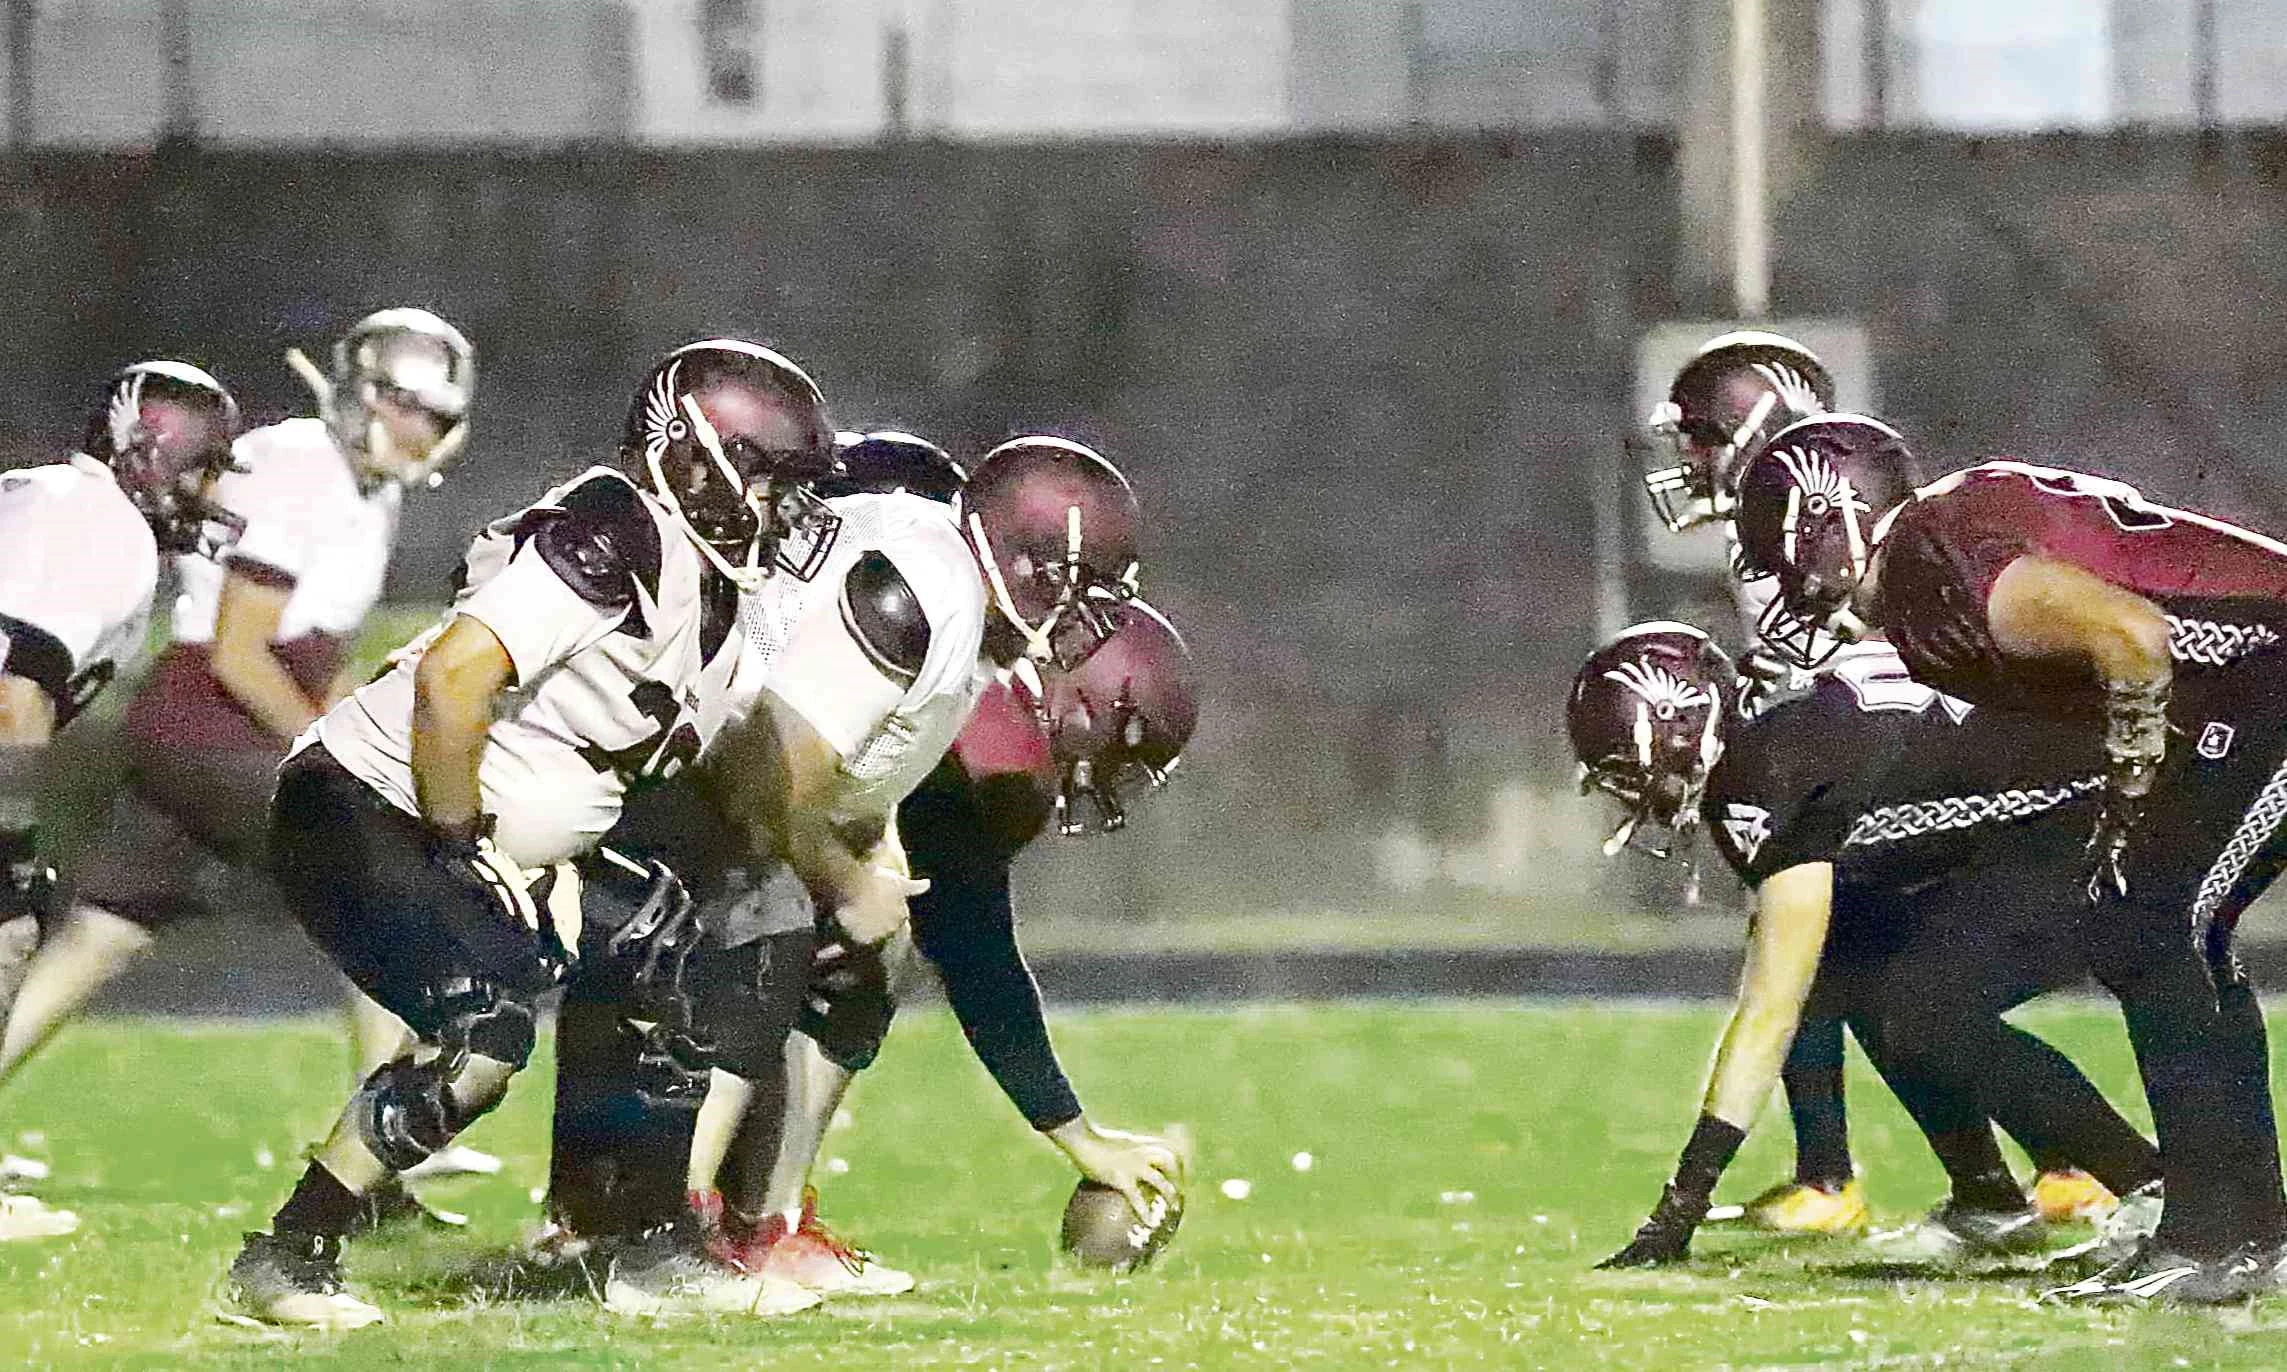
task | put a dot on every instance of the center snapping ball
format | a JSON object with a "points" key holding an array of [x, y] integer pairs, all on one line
{"points": [[1101, 1230]]}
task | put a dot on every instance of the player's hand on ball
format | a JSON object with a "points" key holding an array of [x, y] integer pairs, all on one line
{"points": [[1663, 1238], [876, 909], [1138, 1166]]}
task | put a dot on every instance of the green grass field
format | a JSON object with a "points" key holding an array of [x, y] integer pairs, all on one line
{"points": [[1470, 1163]]}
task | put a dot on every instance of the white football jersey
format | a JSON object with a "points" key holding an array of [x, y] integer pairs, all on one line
{"points": [[603, 694], [305, 519], [801, 646], [78, 566]]}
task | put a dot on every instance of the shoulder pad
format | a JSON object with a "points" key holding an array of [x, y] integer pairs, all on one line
{"points": [[885, 617], [602, 541]]}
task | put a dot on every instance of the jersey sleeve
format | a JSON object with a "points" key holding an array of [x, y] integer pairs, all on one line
{"points": [[77, 572], [279, 495], [572, 577], [1787, 791]]}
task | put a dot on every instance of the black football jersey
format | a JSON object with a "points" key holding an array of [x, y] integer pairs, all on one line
{"points": [[1898, 786]]}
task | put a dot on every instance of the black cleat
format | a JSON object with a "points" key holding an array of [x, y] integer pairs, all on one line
{"points": [[295, 1279], [392, 1204], [2154, 1276]]}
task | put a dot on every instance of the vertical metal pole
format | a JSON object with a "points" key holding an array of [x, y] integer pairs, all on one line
{"points": [[1609, 41], [1877, 56], [178, 118], [1750, 208], [2204, 112]]}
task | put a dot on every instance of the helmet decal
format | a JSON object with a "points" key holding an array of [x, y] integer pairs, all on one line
{"points": [[1793, 389], [662, 424], [1818, 489], [1664, 693], [126, 416]]}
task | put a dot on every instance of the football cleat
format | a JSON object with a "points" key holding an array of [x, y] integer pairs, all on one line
{"points": [[2153, 1276], [672, 1272], [811, 1255], [29, 1217], [392, 1205], [1955, 1233], [2066, 1194], [556, 1245], [2118, 1234], [1803, 1207], [455, 1160], [295, 1279]]}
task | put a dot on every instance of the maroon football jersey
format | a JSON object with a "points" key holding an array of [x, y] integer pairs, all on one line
{"points": [[2223, 588]]}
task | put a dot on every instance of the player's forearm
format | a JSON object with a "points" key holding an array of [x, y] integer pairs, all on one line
{"points": [[2043, 608], [1783, 956], [27, 715], [264, 689], [453, 691]]}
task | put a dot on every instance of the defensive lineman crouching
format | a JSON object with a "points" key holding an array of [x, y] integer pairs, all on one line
{"points": [[1869, 815]]}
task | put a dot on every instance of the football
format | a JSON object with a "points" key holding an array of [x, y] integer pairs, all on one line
{"points": [[1101, 1230]]}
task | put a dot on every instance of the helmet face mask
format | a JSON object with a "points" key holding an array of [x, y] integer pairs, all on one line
{"points": [[1735, 393], [165, 429], [729, 437], [1812, 508], [1054, 528], [1646, 716], [397, 400], [1117, 721]]}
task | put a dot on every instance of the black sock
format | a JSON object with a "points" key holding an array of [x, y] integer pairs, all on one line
{"points": [[1974, 1166], [1814, 1098], [320, 1205]]}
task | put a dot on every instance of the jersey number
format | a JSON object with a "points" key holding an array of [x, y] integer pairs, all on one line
{"points": [[666, 751]]}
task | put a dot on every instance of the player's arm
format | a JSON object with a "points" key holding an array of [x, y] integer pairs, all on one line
{"points": [[27, 713], [776, 778], [460, 674], [1793, 909], [246, 621], [2040, 607]]}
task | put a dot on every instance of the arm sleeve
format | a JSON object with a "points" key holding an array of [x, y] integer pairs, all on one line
{"points": [[967, 929], [965, 925]]}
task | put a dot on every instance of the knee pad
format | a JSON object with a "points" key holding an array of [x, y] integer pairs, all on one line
{"points": [[476, 1016], [849, 1009], [405, 1112]]}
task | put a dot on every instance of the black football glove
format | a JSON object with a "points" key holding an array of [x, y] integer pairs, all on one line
{"points": [[27, 882], [1665, 1237], [523, 945]]}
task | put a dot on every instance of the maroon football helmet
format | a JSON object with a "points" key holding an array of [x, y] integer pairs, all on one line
{"points": [[729, 436], [1117, 720], [1647, 717], [1735, 393], [165, 430], [1055, 528], [1812, 506]]}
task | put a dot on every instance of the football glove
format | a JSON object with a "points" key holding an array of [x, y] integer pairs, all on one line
{"points": [[2135, 744], [27, 882], [469, 858], [1665, 1236]]}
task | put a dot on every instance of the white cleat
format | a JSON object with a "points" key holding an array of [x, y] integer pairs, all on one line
{"points": [[295, 1280], [455, 1160], [809, 1254], [14, 1168], [29, 1217], [672, 1274]]}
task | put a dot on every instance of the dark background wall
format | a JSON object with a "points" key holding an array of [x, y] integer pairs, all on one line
{"points": [[1367, 390]]}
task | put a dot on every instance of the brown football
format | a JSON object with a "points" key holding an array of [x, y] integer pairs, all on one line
{"points": [[1100, 1230]]}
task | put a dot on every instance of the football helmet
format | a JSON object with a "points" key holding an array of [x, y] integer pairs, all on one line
{"points": [[730, 437], [165, 429], [1054, 526], [1737, 391], [1118, 719], [394, 365], [1812, 506], [1647, 716], [887, 460]]}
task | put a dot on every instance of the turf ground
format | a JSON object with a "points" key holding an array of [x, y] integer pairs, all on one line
{"points": [[1469, 1163]]}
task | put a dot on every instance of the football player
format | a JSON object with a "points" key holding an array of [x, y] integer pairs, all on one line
{"points": [[80, 543], [1860, 809], [1725, 402], [1118, 722], [1054, 530], [260, 635], [579, 657], [2072, 596]]}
